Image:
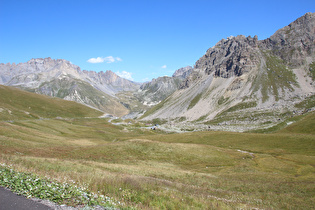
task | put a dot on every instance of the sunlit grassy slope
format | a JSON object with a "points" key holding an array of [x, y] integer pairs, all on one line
{"points": [[151, 170], [19, 104]]}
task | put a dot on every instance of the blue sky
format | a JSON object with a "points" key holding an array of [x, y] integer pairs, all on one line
{"points": [[137, 39]]}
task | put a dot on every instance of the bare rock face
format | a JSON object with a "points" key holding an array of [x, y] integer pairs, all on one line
{"points": [[229, 57], [183, 72], [109, 82], [32, 73], [235, 56], [294, 42], [160, 88]]}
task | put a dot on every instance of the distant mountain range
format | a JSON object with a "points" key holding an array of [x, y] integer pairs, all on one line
{"points": [[60, 78], [240, 83]]}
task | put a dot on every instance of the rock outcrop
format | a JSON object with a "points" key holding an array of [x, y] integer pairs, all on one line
{"points": [[153, 92], [183, 72], [233, 56], [294, 43]]}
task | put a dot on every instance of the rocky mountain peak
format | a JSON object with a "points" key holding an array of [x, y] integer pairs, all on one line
{"points": [[45, 61], [242, 77], [294, 42], [233, 56], [111, 76], [41, 60], [48, 64], [183, 72]]}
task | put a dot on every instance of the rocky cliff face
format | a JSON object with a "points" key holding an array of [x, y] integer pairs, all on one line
{"points": [[153, 92], [109, 82], [34, 71], [295, 43], [183, 72], [230, 57], [233, 56], [246, 82]]}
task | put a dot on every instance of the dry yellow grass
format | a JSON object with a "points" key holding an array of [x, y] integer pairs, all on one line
{"points": [[151, 170]]}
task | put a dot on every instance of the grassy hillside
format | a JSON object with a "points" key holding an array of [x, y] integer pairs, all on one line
{"points": [[66, 87], [18, 104], [148, 169], [305, 125]]}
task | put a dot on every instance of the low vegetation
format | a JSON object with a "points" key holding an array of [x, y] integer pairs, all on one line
{"points": [[194, 101], [276, 77], [312, 70], [31, 185], [136, 167], [222, 100], [308, 103], [154, 109], [243, 105], [16, 104]]}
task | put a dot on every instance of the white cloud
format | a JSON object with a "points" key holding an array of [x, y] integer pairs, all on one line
{"points": [[118, 59], [108, 59], [164, 67], [125, 74], [96, 60]]}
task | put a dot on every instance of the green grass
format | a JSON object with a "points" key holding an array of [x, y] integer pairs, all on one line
{"points": [[194, 101], [63, 87], [145, 169], [303, 126], [307, 103], [312, 70], [142, 169], [17, 104], [276, 77], [31, 185], [222, 100], [243, 105], [228, 114]]}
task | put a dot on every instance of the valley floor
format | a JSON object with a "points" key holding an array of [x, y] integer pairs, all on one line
{"points": [[150, 169]]}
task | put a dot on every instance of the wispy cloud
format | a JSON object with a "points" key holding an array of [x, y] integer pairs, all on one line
{"points": [[108, 59], [118, 59], [125, 74], [164, 67]]}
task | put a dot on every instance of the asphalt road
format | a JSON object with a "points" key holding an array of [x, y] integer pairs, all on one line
{"points": [[11, 201]]}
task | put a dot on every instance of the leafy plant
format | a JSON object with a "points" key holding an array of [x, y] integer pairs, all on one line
{"points": [[31, 185]]}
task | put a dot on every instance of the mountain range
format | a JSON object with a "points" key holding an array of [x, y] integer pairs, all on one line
{"points": [[241, 83], [105, 91], [245, 81]]}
